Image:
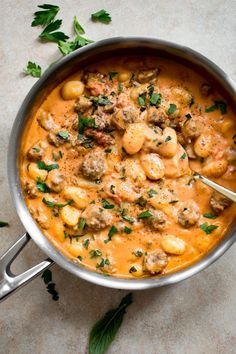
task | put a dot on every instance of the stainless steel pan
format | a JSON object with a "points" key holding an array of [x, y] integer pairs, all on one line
{"points": [[55, 74]]}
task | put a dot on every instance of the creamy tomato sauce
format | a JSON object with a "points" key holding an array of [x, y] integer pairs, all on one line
{"points": [[106, 166]]}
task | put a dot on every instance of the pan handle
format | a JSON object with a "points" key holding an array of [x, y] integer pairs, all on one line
{"points": [[10, 282]]}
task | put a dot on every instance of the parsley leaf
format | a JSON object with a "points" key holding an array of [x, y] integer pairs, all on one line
{"points": [[95, 253], [208, 228], [155, 99], [141, 201], [51, 204], [49, 33], [145, 214], [41, 186], [77, 26], [104, 261], [63, 135], [168, 138], [3, 223], [151, 193], [82, 223], [107, 205], [127, 230], [142, 99], [113, 230], [86, 243], [100, 100], [85, 123], [33, 69], [43, 18], [120, 88], [112, 74], [68, 47], [172, 108], [182, 157], [101, 16], [43, 166], [221, 105], [209, 216], [104, 331]]}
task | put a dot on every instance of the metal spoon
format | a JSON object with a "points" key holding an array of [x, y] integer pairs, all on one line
{"points": [[226, 192]]}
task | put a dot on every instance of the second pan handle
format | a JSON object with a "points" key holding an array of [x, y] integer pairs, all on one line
{"points": [[10, 282]]}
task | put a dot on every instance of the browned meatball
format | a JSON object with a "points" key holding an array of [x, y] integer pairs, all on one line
{"points": [[55, 181], [55, 139], [158, 221], [96, 217], [30, 190], [192, 128], [188, 213], [147, 75], [36, 152], [219, 203], [122, 117], [157, 117], [155, 262], [99, 137], [93, 165]]}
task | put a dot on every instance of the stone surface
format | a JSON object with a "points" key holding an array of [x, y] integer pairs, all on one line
{"points": [[197, 316]]}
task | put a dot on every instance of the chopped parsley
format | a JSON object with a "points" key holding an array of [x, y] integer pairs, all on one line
{"points": [[95, 253], [113, 230], [112, 74], [51, 204], [86, 123], [41, 186], [172, 108], [142, 99], [210, 216], [155, 99], [221, 105], [43, 166], [106, 204], [77, 26], [208, 228], [101, 16], [141, 201], [182, 157], [168, 138], [86, 243], [101, 100], [82, 223], [126, 217], [151, 193], [104, 261], [145, 214], [4, 224], [33, 69], [127, 230], [43, 18], [63, 135], [133, 269], [120, 88]]}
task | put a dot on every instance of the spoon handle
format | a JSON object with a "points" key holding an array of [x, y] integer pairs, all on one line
{"points": [[226, 192]]}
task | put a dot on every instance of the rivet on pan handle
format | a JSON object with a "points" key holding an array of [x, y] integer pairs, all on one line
{"points": [[10, 282]]}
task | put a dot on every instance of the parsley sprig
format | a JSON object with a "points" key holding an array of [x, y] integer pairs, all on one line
{"points": [[33, 69], [43, 18], [101, 16]]}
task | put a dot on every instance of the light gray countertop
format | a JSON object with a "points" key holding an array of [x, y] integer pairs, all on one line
{"points": [[197, 316]]}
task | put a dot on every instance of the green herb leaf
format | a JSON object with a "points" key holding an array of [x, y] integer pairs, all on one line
{"points": [[77, 26], [51, 204], [127, 230], [142, 99], [210, 216], [82, 223], [100, 100], [33, 69], [95, 253], [126, 217], [42, 187], [208, 228], [168, 138], [221, 105], [182, 157], [106, 204], [141, 201], [151, 193], [113, 230], [4, 224], [112, 74], [50, 35], [43, 166], [105, 330], [43, 18], [101, 16], [133, 269], [188, 116], [145, 214], [63, 135], [86, 243], [104, 261], [155, 99], [172, 108], [86, 123], [47, 276], [120, 88]]}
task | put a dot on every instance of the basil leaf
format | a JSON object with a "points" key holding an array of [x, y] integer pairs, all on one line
{"points": [[33, 69], [208, 228], [105, 330], [101, 16], [77, 26], [43, 166]]}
